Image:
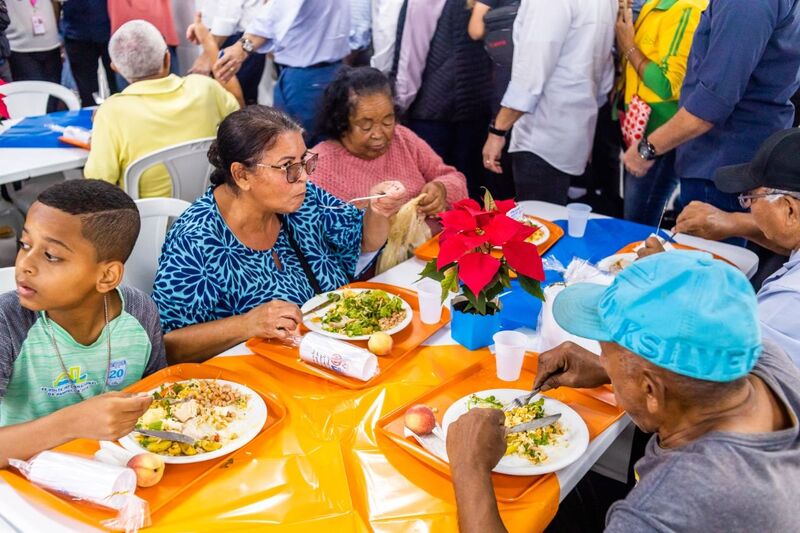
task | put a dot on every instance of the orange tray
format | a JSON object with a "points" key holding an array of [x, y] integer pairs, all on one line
{"points": [[75, 142], [405, 342], [430, 249], [629, 249], [177, 478], [593, 405]]}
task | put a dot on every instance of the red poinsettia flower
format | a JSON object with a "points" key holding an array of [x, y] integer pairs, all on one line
{"points": [[524, 258], [477, 269]]}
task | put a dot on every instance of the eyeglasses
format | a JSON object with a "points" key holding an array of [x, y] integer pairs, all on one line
{"points": [[746, 200], [295, 170]]}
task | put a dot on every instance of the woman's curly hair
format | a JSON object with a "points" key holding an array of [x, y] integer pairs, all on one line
{"points": [[339, 100]]}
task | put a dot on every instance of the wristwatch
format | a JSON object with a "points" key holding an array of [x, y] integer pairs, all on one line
{"points": [[496, 131], [646, 150], [247, 45]]}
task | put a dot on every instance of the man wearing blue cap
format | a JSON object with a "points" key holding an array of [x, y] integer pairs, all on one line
{"points": [[681, 344]]}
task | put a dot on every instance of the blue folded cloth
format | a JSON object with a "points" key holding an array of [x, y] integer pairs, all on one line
{"points": [[603, 237], [32, 132]]}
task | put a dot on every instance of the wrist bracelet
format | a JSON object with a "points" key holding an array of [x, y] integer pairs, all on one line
{"points": [[627, 54]]}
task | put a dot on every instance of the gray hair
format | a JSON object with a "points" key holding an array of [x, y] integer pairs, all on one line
{"points": [[137, 50]]}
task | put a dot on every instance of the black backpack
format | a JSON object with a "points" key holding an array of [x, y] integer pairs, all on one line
{"points": [[498, 39]]}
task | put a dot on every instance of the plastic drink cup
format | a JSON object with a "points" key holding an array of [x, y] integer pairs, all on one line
{"points": [[577, 217], [509, 353], [429, 294]]}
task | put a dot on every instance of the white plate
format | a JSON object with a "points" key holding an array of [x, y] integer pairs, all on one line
{"points": [[605, 264], [254, 420], [543, 238], [567, 450], [317, 326]]}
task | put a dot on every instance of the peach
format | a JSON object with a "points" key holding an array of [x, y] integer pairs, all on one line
{"points": [[420, 419], [148, 467], [380, 343]]}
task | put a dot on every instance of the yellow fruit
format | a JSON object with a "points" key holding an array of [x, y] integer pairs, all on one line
{"points": [[380, 343]]}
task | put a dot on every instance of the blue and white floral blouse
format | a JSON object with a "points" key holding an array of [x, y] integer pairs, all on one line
{"points": [[205, 273]]}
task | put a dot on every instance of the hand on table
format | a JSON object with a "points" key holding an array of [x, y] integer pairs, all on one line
{"points": [[492, 152], [477, 440], [634, 162], [108, 416], [393, 200], [704, 220], [569, 365], [435, 200], [652, 246], [274, 320]]}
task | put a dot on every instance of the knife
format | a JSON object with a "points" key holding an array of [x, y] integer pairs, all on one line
{"points": [[167, 435], [331, 300], [534, 424]]}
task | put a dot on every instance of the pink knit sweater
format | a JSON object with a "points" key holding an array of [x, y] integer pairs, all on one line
{"points": [[409, 160]]}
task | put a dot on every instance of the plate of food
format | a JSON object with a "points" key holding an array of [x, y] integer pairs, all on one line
{"points": [[614, 264], [219, 416], [535, 452], [355, 314], [538, 237]]}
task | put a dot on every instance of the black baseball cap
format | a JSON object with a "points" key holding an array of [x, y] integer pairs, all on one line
{"points": [[776, 165]]}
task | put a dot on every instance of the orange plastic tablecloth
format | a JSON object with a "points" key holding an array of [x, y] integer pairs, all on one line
{"points": [[325, 468]]}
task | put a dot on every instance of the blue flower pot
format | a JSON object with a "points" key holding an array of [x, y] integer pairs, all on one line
{"points": [[471, 330]]}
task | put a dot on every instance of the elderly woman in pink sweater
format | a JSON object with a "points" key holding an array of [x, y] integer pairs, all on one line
{"points": [[366, 146]]}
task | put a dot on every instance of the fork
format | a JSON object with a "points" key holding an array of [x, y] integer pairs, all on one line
{"points": [[522, 400], [350, 202]]}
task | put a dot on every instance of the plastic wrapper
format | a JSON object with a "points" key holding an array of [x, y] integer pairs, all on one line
{"points": [[408, 230], [109, 486], [578, 271], [338, 356]]}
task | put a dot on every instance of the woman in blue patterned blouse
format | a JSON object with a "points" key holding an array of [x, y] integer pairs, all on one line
{"points": [[261, 241]]}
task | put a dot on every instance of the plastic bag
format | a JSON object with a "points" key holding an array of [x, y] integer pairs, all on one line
{"points": [[408, 230], [108, 486], [550, 333]]}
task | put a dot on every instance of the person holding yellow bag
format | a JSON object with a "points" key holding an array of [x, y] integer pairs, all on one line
{"points": [[655, 51]]}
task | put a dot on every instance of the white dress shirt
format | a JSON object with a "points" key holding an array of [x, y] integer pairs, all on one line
{"points": [[385, 14], [360, 24], [301, 33], [778, 302], [226, 17], [562, 73]]}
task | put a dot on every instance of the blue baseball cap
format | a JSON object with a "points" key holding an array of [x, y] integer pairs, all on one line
{"points": [[681, 310]]}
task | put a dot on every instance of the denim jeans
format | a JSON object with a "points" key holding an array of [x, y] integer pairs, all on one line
{"points": [[646, 197], [299, 93]]}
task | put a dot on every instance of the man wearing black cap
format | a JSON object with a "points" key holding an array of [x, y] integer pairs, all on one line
{"points": [[769, 186]]}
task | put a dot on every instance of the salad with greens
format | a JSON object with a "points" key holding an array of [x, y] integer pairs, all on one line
{"points": [[363, 313]]}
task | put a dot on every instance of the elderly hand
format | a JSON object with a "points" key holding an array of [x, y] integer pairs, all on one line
{"points": [[229, 64], [652, 246], [435, 200], [624, 29], [274, 320], [706, 221], [395, 196], [202, 65], [569, 365], [492, 152], [634, 162], [477, 440]]}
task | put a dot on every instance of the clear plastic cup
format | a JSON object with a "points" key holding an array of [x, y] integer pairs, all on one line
{"points": [[577, 217], [429, 294], [509, 353]]}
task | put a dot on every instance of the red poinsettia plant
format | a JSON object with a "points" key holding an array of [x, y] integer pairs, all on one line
{"points": [[465, 258]]}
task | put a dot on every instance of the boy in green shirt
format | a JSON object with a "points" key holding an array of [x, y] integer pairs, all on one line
{"points": [[70, 336]]}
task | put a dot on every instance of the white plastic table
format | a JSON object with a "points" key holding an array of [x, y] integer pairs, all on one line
{"points": [[17, 164]]}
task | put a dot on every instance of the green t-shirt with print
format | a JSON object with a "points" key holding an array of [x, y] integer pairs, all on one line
{"points": [[32, 380]]}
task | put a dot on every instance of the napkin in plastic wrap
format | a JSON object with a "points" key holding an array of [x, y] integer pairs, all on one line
{"points": [[338, 356], [109, 486], [578, 271]]}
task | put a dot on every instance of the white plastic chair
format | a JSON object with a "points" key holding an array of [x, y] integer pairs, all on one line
{"points": [[7, 280], [141, 267], [29, 98], [187, 165]]}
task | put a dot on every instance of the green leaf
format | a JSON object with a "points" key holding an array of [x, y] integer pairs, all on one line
{"points": [[531, 286], [430, 271], [481, 303], [488, 200], [450, 282]]}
